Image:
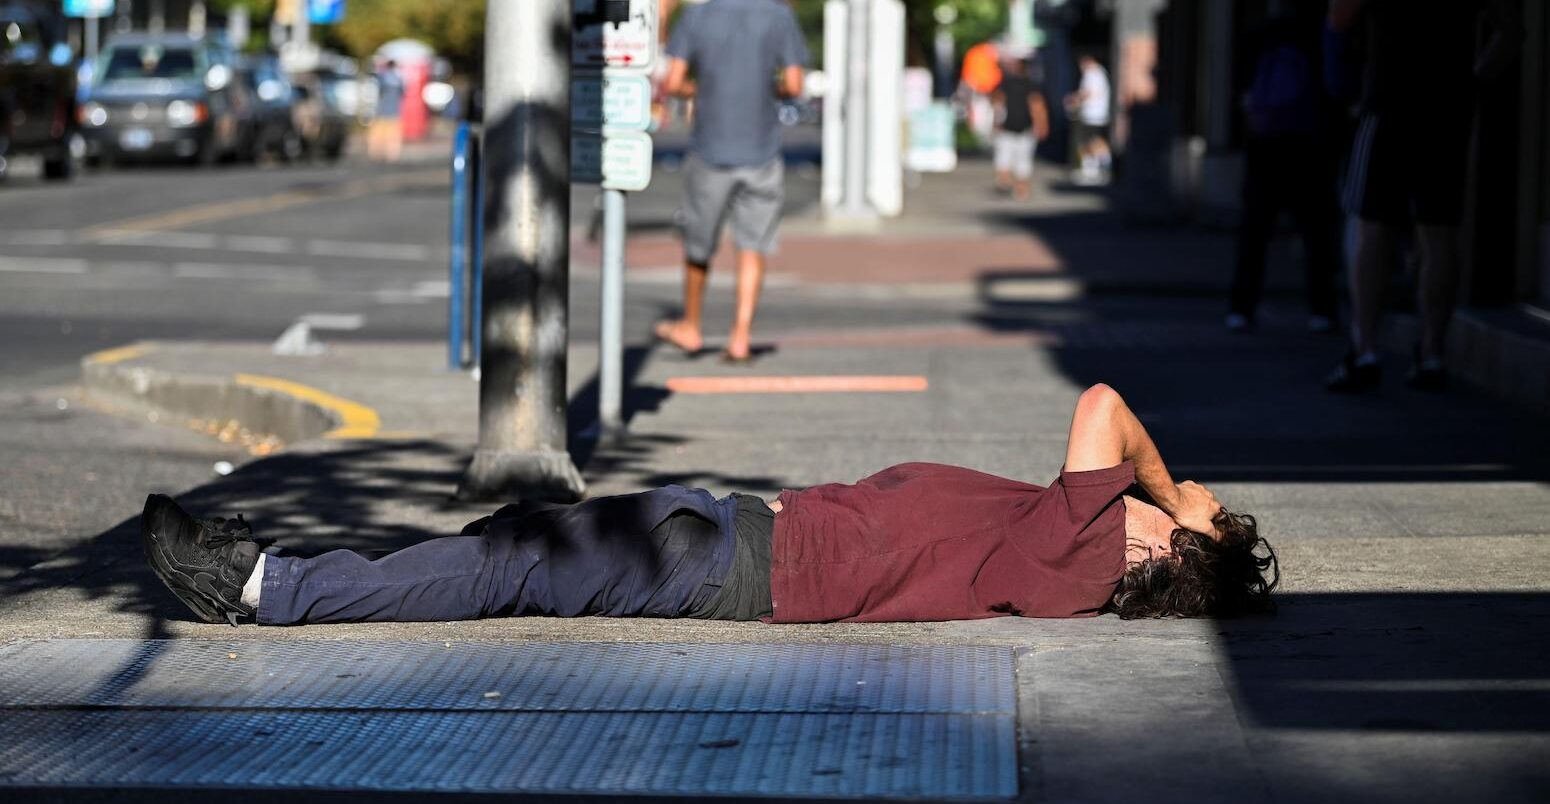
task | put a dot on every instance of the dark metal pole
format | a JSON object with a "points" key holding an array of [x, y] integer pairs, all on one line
{"points": [[522, 395]]}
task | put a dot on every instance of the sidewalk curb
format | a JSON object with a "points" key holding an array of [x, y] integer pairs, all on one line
{"points": [[270, 406]]}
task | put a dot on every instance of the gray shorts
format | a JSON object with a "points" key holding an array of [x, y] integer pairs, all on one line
{"points": [[1014, 153], [750, 196]]}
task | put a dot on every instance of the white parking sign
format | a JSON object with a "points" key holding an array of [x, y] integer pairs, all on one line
{"points": [[614, 34], [617, 160]]}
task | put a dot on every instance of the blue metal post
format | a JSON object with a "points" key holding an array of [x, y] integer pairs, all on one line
{"points": [[457, 272], [476, 295]]}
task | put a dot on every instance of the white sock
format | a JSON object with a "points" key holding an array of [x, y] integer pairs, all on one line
{"points": [[255, 584], [1367, 359]]}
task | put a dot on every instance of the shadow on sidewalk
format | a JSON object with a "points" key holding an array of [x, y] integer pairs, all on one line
{"points": [[1228, 406]]}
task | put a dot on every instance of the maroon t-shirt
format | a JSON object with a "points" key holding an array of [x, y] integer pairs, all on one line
{"points": [[923, 542]]}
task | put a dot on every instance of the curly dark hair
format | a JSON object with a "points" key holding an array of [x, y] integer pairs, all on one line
{"points": [[1203, 577]]}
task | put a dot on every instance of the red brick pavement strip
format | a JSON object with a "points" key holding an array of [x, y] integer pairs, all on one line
{"points": [[861, 259], [952, 335]]}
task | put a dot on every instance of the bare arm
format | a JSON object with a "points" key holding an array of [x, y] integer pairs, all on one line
{"points": [[1105, 432], [1040, 114], [677, 82], [790, 83]]}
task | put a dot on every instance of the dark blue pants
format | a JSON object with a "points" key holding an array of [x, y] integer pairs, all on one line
{"points": [[660, 553]]}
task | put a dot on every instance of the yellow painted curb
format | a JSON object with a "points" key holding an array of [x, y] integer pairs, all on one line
{"points": [[118, 354], [355, 420]]}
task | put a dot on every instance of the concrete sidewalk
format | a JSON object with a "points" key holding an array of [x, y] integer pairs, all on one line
{"points": [[1406, 663]]}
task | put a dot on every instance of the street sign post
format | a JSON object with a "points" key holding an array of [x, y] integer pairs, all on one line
{"points": [[611, 100], [614, 34], [325, 12], [613, 49], [617, 160], [90, 9]]}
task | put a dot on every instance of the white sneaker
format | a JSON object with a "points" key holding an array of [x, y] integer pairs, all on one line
{"points": [[1320, 323], [1238, 322]]}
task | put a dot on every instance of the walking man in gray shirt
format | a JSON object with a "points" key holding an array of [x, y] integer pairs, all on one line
{"points": [[736, 58]]}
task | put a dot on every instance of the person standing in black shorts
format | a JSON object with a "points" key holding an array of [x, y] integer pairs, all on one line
{"points": [[1409, 162]]}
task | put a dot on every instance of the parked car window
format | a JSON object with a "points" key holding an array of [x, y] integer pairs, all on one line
{"points": [[151, 61]]}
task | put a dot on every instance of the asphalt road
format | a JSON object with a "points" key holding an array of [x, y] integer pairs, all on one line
{"points": [[241, 252]]}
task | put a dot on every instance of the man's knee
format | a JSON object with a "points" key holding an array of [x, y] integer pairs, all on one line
{"points": [[1099, 400]]}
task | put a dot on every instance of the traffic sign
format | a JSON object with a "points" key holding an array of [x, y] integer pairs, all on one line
{"points": [[88, 8], [618, 160], [620, 102], [325, 12], [614, 34]]}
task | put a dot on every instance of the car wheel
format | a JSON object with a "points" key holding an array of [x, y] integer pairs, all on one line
{"points": [[59, 168], [207, 153]]}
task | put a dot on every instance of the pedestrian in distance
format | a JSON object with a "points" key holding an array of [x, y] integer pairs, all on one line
{"points": [[1410, 161], [385, 136], [1022, 121], [915, 542], [1089, 110], [1290, 165], [736, 59]]}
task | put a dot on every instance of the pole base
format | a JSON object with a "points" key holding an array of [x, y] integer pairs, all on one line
{"points": [[507, 475]]}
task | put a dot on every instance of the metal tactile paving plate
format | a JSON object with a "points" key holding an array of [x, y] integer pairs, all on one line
{"points": [[789, 720]]}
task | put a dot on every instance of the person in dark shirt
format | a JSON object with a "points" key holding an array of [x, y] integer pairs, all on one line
{"points": [[915, 542], [1022, 121], [1421, 61], [1289, 164]]}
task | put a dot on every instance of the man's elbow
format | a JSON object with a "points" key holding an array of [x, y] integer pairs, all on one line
{"points": [[791, 83]]}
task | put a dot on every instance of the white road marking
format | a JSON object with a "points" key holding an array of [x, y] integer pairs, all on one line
{"points": [[259, 244], [41, 265], [339, 321], [36, 237], [408, 252], [197, 240], [148, 270], [270, 273], [433, 289]]}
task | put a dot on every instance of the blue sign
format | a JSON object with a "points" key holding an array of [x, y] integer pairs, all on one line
{"points": [[325, 12], [88, 8]]}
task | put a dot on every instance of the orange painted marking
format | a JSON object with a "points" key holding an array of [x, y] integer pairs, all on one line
{"points": [[841, 384]]}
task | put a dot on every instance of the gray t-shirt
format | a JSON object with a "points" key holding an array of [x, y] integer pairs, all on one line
{"points": [[736, 48]]}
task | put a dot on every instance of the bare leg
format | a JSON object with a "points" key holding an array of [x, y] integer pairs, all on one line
{"points": [[1367, 278], [750, 276], [685, 332], [1437, 289]]}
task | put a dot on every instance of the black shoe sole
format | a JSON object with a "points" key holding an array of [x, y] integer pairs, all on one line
{"points": [[195, 589]]}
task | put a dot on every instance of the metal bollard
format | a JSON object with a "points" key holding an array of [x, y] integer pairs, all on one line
{"points": [[457, 270], [476, 287]]}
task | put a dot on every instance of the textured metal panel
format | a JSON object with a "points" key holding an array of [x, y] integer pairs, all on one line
{"points": [[791, 720]]}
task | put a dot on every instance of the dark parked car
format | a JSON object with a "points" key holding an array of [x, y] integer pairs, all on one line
{"points": [[320, 116], [274, 106], [165, 95], [37, 86]]}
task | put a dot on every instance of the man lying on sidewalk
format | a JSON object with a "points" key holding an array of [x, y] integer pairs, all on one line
{"points": [[915, 542]]}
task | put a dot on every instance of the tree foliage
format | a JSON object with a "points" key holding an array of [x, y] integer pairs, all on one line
{"points": [[455, 28]]}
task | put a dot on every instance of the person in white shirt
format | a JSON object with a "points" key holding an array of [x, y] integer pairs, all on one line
{"points": [[1089, 109]]}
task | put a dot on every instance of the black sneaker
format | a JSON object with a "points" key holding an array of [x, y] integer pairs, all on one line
{"points": [[204, 562], [1351, 377], [1427, 378]]}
